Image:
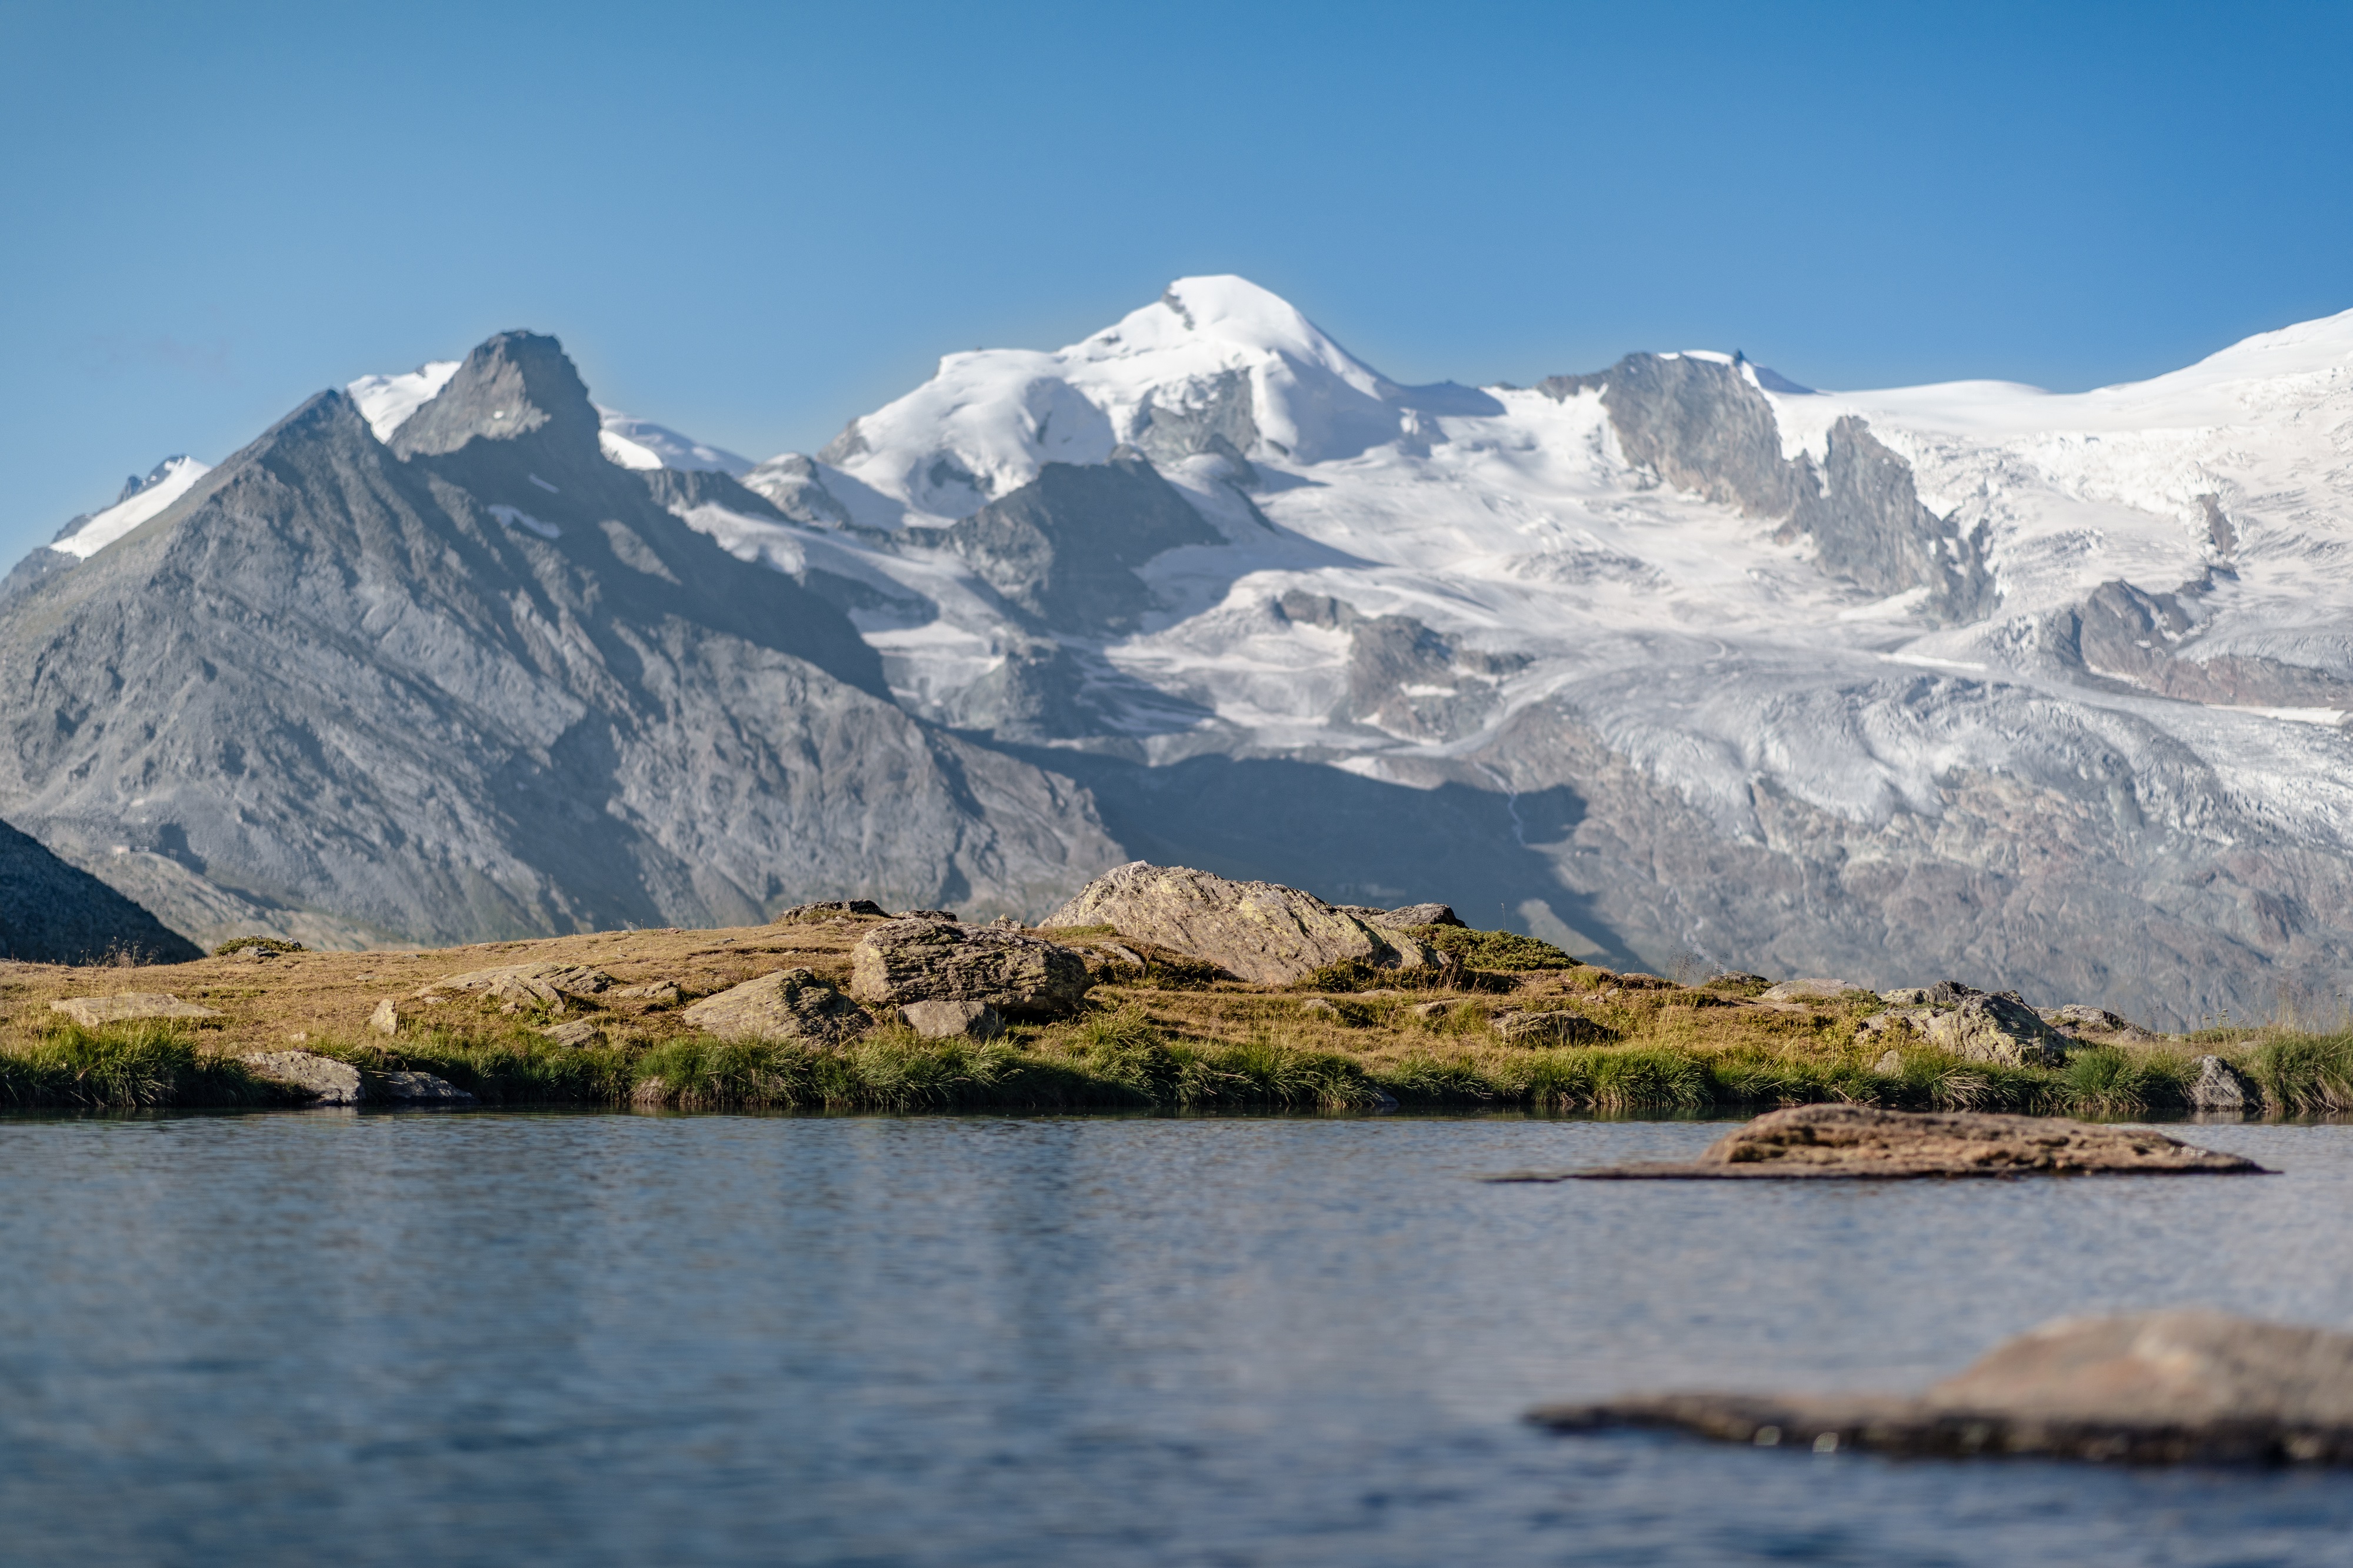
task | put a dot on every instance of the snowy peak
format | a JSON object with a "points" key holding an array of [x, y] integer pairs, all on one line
{"points": [[385, 402], [141, 499], [1216, 365], [642, 444], [511, 387]]}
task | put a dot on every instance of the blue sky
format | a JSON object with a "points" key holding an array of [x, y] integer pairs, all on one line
{"points": [[754, 222]]}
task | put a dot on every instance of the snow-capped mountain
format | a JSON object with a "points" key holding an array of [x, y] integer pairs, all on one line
{"points": [[1675, 661], [2041, 688]]}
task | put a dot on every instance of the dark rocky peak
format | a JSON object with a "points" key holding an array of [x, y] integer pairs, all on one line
{"points": [[1700, 424], [516, 386], [1062, 548]]}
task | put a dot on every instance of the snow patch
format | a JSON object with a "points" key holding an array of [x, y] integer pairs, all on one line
{"points": [[385, 402], [179, 475]]}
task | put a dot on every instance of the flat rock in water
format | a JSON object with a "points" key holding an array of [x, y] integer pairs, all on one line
{"points": [[127, 1006], [1860, 1142], [329, 1081], [789, 1005], [2167, 1387], [1021, 976], [1259, 931]]}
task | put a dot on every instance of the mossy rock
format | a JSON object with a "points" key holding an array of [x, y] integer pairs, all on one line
{"points": [[272, 944], [1504, 950]]}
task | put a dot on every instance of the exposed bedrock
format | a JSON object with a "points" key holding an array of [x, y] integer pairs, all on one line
{"points": [[1699, 426], [482, 683], [2125, 637], [1403, 677]]}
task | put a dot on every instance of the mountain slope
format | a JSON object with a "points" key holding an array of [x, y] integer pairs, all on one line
{"points": [[477, 683]]}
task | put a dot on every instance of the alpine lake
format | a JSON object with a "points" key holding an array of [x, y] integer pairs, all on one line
{"points": [[493, 1337]]}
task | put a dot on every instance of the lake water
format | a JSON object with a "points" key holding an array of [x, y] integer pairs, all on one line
{"points": [[484, 1338]]}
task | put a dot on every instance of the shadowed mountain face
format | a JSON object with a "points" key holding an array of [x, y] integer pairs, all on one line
{"points": [[52, 913], [477, 682]]}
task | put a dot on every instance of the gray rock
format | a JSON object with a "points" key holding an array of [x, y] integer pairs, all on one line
{"points": [[1023, 976], [1438, 1009], [420, 1088], [952, 1020], [1259, 931], [1906, 996], [2222, 1086], [578, 1032], [1555, 1027], [661, 993], [1323, 1005], [128, 1007], [1997, 1028], [385, 1020], [1867, 1143], [789, 1005], [2165, 1387], [1890, 1063], [329, 1081]]}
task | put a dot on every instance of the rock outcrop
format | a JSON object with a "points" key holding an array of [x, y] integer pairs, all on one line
{"points": [[789, 1005], [544, 983], [1556, 1027], [128, 1006], [325, 1080], [417, 1089], [1814, 989], [2097, 1023], [1259, 932], [1864, 1142], [1021, 976], [2165, 1387], [1975, 1025]]}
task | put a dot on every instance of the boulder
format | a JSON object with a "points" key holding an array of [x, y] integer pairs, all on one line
{"points": [[579, 1033], [659, 992], [1023, 976], [1320, 1006], [2222, 1086], [328, 1081], [1558, 1026], [420, 1088], [1817, 989], [947, 915], [128, 1006], [1259, 931], [2165, 1387], [1890, 1063], [952, 1020], [833, 910], [1434, 1009], [385, 1020], [1864, 1142], [788, 1004], [1980, 1027]]}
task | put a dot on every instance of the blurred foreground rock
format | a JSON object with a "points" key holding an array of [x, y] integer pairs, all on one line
{"points": [[2164, 1387]]}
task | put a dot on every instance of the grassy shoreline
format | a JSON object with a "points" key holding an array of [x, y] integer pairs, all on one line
{"points": [[1122, 1060]]}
